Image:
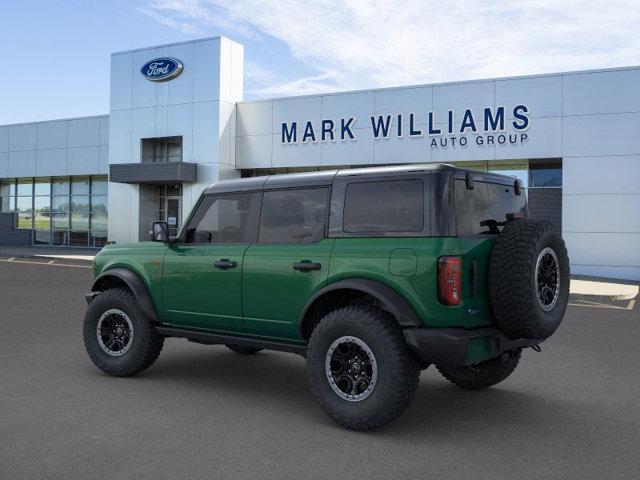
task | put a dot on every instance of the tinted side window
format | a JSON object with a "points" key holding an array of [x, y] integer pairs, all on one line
{"points": [[385, 206], [487, 201], [293, 216], [223, 219]]}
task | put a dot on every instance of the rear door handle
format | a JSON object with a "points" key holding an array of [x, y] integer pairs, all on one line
{"points": [[225, 263], [306, 266]]}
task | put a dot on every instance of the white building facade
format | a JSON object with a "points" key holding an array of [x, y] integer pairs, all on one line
{"points": [[177, 123]]}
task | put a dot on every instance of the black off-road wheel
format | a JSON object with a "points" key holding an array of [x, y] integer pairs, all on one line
{"points": [[529, 279], [361, 372], [482, 375], [241, 349], [120, 340]]}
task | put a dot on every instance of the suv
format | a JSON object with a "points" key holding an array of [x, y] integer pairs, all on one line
{"points": [[371, 274]]}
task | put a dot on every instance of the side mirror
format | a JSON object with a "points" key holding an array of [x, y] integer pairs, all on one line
{"points": [[518, 187], [159, 232]]}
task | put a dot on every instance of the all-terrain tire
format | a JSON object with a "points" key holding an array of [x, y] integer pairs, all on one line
{"points": [[146, 344], [517, 299], [482, 375], [242, 349], [398, 369]]}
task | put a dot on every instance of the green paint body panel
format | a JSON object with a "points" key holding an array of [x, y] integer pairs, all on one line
{"points": [[264, 295]]}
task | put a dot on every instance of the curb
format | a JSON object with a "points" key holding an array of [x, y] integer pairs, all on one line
{"points": [[601, 298], [5, 256]]}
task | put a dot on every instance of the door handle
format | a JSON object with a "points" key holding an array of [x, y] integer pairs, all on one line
{"points": [[225, 263], [306, 265]]}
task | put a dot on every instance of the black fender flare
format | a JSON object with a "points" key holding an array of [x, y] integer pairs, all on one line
{"points": [[389, 299], [135, 284]]}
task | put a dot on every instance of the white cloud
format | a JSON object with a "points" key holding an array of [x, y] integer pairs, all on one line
{"points": [[374, 43]]}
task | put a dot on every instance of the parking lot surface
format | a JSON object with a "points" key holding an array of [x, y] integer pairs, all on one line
{"points": [[571, 411]]}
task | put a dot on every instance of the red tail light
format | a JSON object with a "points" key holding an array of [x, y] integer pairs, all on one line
{"points": [[449, 280]]}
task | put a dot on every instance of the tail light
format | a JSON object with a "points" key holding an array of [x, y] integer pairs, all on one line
{"points": [[449, 280]]}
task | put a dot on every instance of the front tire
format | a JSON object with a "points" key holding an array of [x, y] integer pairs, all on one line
{"points": [[119, 339], [482, 375], [361, 372]]}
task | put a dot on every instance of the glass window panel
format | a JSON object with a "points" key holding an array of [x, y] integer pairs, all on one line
{"points": [[60, 204], [42, 237], [545, 176], [25, 204], [42, 213], [99, 203], [25, 220], [80, 203], [173, 190], [60, 186], [7, 204], [98, 239], [25, 187], [42, 186], [98, 222], [99, 185], [8, 187], [293, 216], [80, 221], [60, 237], [78, 239], [80, 186], [60, 220], [399, 206]]}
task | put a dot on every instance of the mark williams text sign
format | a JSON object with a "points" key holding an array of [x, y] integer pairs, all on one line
{"points": [[490, 127]]}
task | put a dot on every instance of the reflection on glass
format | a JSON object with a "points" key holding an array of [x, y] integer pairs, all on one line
{"points": [[7, 204], [80, 186], [60, 220], [78, 239], [99, 204], [25, 187], [80, 221], [80, 203], [99, 222], [60, 186], [60, 204], [98, 239], [42, 186], [8, 187], [99, 186], [42, 237], [547, 176], [42, 212], [59, 237]]}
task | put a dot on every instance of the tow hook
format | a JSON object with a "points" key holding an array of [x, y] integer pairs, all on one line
{"points": [[536, 348]]}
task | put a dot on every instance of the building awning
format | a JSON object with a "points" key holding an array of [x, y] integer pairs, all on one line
{"points": [[153, 173]]}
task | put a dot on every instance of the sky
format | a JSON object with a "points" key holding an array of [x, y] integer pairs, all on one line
{"points": [[55, 53]]}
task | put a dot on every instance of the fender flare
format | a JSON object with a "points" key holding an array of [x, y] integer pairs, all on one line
{"points": [[391, 300], [135, 284]]}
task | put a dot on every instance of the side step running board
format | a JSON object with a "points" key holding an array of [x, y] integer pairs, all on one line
{"points": [[216, 338]]}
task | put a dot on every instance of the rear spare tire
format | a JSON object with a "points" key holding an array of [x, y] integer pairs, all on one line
{"points": [[529, 279]]}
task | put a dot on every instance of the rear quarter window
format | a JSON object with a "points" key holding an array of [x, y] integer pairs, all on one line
{"points": [[487, 201], [384, 206]]}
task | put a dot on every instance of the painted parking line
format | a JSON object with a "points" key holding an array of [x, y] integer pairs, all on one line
{"points": [[50, 263], [590, 304]]}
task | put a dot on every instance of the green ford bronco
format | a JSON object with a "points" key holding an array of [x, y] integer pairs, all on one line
{"points": [[371, 274]]}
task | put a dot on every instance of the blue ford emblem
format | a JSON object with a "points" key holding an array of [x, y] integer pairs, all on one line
{"points": [[162, 69]]}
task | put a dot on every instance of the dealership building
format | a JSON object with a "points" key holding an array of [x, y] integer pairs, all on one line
{"points": [[178, 123]]}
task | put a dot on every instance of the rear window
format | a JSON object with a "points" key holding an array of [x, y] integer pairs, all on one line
{"points": [[487, 202], [385, 206]]}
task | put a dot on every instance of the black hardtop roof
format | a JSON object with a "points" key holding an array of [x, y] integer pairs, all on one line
{"points": [[326, 177]]}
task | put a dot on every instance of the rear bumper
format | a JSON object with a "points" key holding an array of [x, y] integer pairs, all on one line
{"points": [[459, 346]]}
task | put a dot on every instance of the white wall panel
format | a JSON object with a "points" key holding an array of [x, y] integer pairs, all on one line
{"points": [[601, 92], [594, 175], [542, 95], [83, 132], [417, 100], [601, 213], [104, 160], [121, 84], [255, 118], [459, 97], [180, 89], [601, 135], [607, 271], [254, 151], [83, 160], [180, 122], [456, 152], [605, 249], [346, 105], [299, 110], [4, 164], [4, 138], [349, 152], [143, 125], [52, 135], [51, 162], [295, 155], [144, 91], [401, 150], [120, 136], [206, 132], [104, 130], [22, 164], [207, 78], [544, 140], [22, 137]]}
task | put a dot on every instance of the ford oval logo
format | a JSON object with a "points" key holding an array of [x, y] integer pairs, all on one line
{"points": [[162, 69]]}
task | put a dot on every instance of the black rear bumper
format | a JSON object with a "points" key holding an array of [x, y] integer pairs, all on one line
{"points": [[459, 346]]}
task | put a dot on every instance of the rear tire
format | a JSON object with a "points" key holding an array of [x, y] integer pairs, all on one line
{"points": [[119, 339], [482, 375], [241, 349], [362, 373]]}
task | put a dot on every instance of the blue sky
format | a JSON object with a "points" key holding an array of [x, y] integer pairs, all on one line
{"points": [[55, 53]]}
